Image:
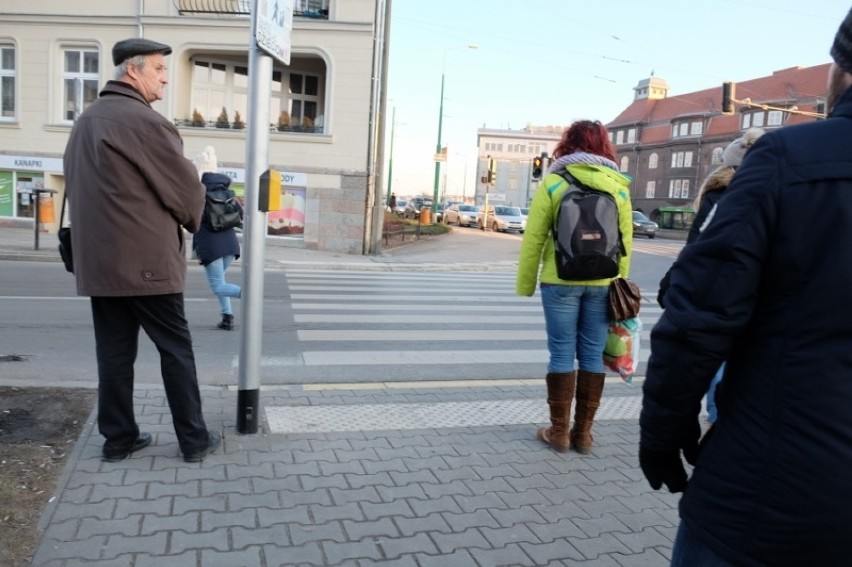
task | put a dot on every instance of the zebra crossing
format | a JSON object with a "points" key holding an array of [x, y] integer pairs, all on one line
{"points": [[422, 331], [367, 326]]}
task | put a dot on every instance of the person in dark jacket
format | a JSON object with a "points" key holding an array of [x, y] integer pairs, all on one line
{"points": [[765, 288], [136, 193], [705, 203], [216, 251]]}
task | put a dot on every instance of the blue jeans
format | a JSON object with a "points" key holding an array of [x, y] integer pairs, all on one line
{"points": [[223, 290], [690, 552], [577, 324], [711, 394]]}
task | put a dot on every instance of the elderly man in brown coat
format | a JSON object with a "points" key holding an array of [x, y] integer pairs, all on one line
{"points": [[131, 193]]}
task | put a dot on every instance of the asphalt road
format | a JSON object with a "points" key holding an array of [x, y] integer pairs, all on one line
{"points": [[49, 328]]}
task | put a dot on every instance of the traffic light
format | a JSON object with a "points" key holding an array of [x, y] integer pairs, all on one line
{"points": [[492, 172], [728, 97], [536, 168]]}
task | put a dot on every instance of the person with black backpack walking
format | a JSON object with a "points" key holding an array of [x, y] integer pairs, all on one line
{"points": [[578, 238], [217, 247]]}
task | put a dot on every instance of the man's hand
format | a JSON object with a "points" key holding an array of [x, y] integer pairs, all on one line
{"points": [[666, 467], [663, 467]]}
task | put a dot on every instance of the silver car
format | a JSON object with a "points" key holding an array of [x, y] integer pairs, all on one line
{"points": [[502, 218], [461, 214]]}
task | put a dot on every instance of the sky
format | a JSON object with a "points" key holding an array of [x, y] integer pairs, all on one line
{"points": [[550, 63]]}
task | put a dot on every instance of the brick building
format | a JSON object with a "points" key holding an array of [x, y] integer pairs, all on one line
{"points": [[669, 144]]}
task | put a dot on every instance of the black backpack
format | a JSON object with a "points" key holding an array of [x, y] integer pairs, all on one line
{"points": [[221, 211], [586, 234]]}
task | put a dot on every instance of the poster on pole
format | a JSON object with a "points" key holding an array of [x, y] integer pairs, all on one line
{"points": [[273, 27]]}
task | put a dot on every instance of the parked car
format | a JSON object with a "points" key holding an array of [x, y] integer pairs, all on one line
{"points": [[400, 206], [644, 225], [461, 214], [502, 218], [412, 209]]}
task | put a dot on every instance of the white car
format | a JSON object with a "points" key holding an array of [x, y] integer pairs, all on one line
{"points": [[502, 218]]}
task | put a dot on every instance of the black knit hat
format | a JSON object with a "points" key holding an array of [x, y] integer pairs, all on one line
{"points": [[841, 50]]}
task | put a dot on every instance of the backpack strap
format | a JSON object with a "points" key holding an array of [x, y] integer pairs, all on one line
{"points": [[571, 180]]}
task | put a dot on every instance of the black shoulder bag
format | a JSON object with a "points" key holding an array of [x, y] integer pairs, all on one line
{"points": [[64, 235]]}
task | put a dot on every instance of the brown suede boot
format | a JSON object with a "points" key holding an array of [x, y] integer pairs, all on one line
{"points": [[589, 391], [560, 393]]}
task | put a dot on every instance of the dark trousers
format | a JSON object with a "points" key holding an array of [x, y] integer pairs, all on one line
{"points": [[117, 321]]}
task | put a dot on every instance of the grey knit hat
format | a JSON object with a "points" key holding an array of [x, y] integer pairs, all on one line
{"points": [[736, 150], [841, 49]]}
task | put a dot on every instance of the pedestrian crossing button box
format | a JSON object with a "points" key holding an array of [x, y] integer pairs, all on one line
{"points": [[269, 195]]}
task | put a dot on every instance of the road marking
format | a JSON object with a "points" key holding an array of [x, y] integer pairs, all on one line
{"points": [[421, 335]]}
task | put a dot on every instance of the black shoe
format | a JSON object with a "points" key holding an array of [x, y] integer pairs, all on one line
{"points": [[142, 441], [227, 323], [213, 442]]}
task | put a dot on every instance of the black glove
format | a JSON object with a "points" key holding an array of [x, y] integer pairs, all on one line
{"points": [[663, 467], [666, 467]]}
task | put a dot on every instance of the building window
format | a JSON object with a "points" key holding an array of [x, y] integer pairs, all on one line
{"points": [[7, 81], [687, 129], [757, 119], [652, 160], [80, 82], [303, 99], [625, 163], [679, 189], [716, 157], [619, 137], [296, 97], [746, 121], [682, 159], [774, 118], [650, 189], [311, 8], [631, 136]]}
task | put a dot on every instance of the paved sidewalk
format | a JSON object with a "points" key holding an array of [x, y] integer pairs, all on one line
{"points": [[407, 488], [421, 495]]}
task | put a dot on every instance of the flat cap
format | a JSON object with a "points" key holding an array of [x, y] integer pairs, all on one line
{"points": [[127, 48]]}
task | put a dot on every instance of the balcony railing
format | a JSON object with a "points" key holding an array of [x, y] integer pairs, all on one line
{"points": [[232, 7], [216, 125], [238, 8]]}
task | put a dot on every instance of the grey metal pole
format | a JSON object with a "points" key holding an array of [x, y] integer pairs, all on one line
{"points": [[254, 236], [376, 149]]}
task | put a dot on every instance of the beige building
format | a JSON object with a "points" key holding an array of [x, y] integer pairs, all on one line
{"points": [[55, 55], [513, 152]]}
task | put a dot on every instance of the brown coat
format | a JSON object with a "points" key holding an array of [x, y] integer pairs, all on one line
{"points": [[130, 190]]}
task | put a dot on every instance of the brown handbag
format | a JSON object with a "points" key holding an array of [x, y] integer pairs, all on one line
{"points": [[624, 299]]}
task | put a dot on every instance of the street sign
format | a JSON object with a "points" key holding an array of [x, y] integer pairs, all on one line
{"points": [[273, 26]]}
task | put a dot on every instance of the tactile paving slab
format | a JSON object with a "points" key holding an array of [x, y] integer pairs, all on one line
{"points": [[378, 417]]}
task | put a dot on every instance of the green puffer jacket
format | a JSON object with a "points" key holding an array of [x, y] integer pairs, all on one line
{"points": [[538, 248]]}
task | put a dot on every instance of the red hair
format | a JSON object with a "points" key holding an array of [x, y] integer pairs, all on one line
{"points": [[585, 136]]}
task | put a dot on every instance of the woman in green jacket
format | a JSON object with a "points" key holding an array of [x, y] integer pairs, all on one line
{"points": [[575, 312]]}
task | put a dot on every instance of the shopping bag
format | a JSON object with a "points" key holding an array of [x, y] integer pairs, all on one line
{"points": [[621, 353]]}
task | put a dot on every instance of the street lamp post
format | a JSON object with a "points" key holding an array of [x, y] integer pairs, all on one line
{"points": [[390, 159], [440, 125]]}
